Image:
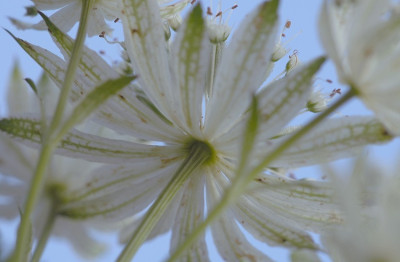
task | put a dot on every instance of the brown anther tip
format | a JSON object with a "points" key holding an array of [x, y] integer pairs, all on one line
{"points": [[235, 6], [329, 81], [218, 14], [116, 20], [102, 52], [209, 12], [193, 1], [102, 34], [283, 35], [288, 24]]}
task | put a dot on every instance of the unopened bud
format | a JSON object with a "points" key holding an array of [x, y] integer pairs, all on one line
{"points": [[175, 21], [218, 33], [279, 52], [293, 62], [317, 102]]}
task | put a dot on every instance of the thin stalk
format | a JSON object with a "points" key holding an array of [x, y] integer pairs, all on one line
{"points": [[22, 245], [198, 155], [240, 182], [50, 220], [72, 65], [216, 53]]}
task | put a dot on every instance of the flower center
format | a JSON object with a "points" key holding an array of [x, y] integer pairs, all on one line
{"points": [[202, 150]]}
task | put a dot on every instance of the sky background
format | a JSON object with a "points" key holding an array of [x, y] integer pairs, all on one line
{"points": [[304, 18]]}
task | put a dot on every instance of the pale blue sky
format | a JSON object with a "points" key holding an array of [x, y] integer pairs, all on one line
{"points": [[303, 15]]}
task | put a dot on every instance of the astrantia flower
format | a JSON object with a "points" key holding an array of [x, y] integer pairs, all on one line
{"points": [[65, 174], [370, 200], [174, 127], [362, 38]]}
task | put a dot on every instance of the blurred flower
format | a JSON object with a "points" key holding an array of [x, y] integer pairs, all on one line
{"points": [[169, 124], [370, 200], [362, 38], [17, 163]]}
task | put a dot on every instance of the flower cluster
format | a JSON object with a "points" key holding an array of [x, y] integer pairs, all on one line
{"points": [[194, 134]]}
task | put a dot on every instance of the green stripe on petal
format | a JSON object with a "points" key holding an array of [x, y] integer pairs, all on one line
{"points": [[336, 138], [190, 53], [93, 100], [89, 147], [308, 204], [188, 216], [147, 49], [279, 102], [242, 68]]}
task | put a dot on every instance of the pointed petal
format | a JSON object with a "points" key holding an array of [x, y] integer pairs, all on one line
{"points": [[279, 102], [89, 147], [14, 161], [269, 227], [144, 39], [64, 18], [19, 99], [336, 138], [242, 68], [190, 54], [129, 113], [93, 100], [189, 215], [332, 36], [122, 198], [308, 204], [231, 243]]}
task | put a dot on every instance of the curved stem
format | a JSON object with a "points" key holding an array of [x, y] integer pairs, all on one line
{"points": [[198, 155], [23, 240], [240, 182], [49, 222]]}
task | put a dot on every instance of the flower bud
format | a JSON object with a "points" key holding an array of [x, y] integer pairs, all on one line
{"points": [[218, 33], [317, 102], [293, 62], [174, 21], [279, 52]]}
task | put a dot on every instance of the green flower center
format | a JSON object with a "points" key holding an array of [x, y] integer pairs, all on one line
{"points": [[201, 149]]}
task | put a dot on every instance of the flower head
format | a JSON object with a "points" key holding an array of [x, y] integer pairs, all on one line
{"points": [[174, 124], [65, 174], [362, 38], [369, 199]]}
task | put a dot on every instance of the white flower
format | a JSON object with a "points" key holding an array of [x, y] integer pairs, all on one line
{"points": [[370, 200], [167, 132], [362, 38], [17, 163]]}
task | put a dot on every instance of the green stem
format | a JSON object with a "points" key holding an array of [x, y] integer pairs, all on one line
{"points": [[72, 65], [22, 247], [199, 153], [49, 223], [240, 182]]}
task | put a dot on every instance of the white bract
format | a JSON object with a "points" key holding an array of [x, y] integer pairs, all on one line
{"points": [[362, 38], [172, 122]]}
